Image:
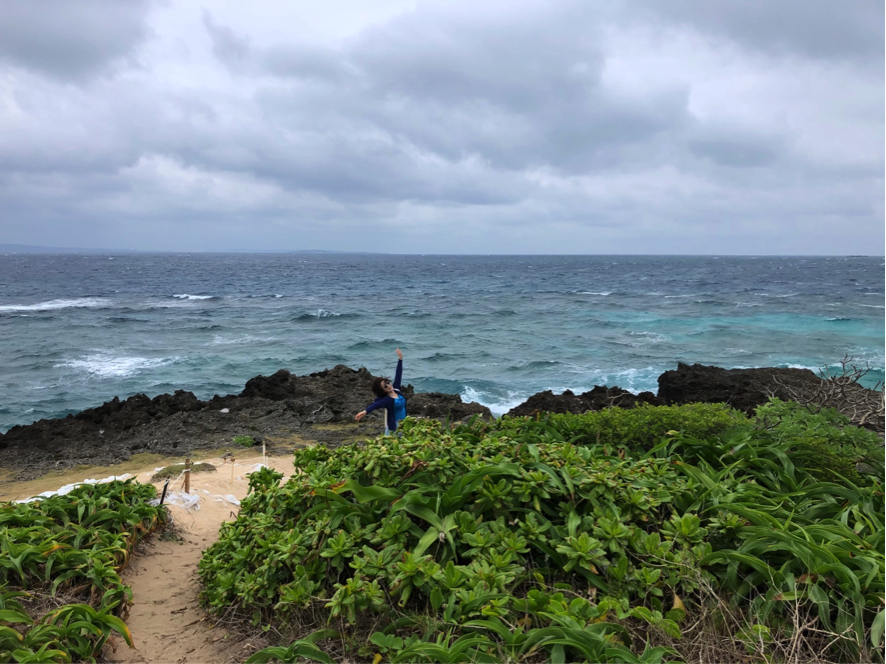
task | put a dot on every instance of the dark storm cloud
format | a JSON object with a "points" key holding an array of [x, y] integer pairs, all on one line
{"points": [[395, 113], [69, 39], [523, 93]]}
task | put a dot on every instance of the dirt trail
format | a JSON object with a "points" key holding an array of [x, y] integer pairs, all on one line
{"points": [[165, 619], [166, 622]]}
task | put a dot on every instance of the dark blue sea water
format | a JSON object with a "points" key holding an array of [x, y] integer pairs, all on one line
{"points": [[76, 330]]}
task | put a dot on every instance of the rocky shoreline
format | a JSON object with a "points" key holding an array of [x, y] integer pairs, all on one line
{"points": [[284, 409]]}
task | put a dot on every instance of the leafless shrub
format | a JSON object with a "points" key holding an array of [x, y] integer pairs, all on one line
{"points": [[841, 390]]}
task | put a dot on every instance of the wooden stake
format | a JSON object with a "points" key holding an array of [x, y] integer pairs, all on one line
{"points": [[232, 470], [188, 475], [264, 458]]}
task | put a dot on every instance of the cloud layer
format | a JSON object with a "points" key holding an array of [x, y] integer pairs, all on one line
{"points": [[520, 127]]}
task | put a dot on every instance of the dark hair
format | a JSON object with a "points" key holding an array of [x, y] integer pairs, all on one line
{"points": [[377, 386]]}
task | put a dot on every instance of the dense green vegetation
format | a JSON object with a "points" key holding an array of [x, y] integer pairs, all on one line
{"points": [[69, 547], [622, 535]]}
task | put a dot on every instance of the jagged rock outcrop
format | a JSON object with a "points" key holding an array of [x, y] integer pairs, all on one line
{"points": [[743, 389], [443, 407], [271, 407], [596, 399]]}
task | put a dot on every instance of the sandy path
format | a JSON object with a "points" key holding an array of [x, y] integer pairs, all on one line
{"points": [[166, 622]]}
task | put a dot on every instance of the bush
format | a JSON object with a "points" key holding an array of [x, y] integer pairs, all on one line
{"points": [[78, 542], [643, 427], [833, 447]]}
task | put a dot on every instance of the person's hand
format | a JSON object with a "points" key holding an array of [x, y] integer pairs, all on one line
{"points": [[399, 353], [359, 416]]}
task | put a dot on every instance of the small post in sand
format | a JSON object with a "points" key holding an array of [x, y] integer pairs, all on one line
{"points": [[188, 475], [264, 456], [232, 469]]}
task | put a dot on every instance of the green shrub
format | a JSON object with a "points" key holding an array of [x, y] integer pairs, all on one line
{"points": [[244, 441], [830, 446], [77, 541], [643, 427]]}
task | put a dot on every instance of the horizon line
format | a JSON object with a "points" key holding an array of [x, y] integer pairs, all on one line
{"points": [[40, 249]]}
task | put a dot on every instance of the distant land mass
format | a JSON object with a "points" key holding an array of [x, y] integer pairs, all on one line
{"points": [[37, 249]]}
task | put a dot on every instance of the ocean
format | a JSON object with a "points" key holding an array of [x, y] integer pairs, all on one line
{"points": [[78, 329]]}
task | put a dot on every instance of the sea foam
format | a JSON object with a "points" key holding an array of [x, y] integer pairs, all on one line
{"points": [[498, 406], [81, 302], [185, 296], [110, 366]]}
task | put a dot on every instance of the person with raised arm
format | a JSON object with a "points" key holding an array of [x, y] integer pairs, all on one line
{"points": [[389, 397]]}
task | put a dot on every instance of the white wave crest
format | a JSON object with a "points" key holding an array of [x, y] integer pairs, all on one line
{"points": [[498, 406], [801, 366], [80, 302], [603, 293], [221, 340], [632, 380], [650, 337], [185, 296], [111, 366]]}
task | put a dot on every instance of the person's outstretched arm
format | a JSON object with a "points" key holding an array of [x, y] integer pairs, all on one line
{"points": [[398, 375], [386, 402]]}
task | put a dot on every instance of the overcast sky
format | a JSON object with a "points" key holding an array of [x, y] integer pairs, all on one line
{"points": [[499, 126]]}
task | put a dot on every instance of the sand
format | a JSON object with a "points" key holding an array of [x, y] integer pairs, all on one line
{"points": [[165, 619]]}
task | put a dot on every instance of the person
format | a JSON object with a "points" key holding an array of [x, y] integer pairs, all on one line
{"points": [[389, 397]]}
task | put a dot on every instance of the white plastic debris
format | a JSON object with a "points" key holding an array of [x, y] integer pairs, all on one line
{"points": [[182, 499], [67, 488], [225, 410], [231, 499]]}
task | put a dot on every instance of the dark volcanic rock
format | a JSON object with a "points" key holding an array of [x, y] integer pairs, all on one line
{"points": [[743, 389], [279, 406], [438, 406], [596, 399], [321, 397]]}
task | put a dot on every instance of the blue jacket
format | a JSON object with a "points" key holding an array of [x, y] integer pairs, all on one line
{"points": [[388, 402]]}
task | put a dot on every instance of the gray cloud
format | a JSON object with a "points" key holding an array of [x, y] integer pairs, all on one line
{"points": [[71, 39], [816, 28], [227, 45], [552, 128]]}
